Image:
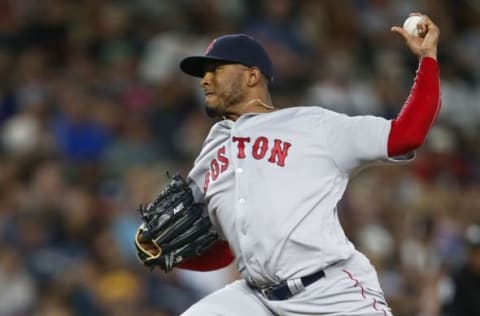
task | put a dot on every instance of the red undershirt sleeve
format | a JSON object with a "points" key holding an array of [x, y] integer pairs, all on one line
{"points": [[409, 129], [216, 257]]}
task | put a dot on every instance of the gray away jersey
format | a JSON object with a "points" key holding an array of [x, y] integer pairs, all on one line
{"points": [[271, 183]]}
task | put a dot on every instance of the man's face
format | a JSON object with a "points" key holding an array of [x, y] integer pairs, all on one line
{"points": [[224, 86]]}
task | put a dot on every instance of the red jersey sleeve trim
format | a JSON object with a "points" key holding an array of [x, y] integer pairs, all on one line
{"points": [[216, 257], [409, 129]]}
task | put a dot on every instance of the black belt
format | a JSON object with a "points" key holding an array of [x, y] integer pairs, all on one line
{"points": [[288, 288]]}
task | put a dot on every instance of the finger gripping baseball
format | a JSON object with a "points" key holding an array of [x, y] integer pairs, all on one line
{"points": [[173, 228]]}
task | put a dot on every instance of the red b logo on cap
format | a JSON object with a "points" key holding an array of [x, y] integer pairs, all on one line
{"points": [[209, 47]]}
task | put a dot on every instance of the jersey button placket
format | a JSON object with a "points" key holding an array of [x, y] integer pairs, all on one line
{"points": [[243, 224], [240, 198], [240, 182], [238, 174], [241, 201]]}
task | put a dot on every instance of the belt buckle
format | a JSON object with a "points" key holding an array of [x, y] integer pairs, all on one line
{"points": [[266, 291]]}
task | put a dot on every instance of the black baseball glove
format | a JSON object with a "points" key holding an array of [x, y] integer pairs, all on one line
{"points": [[173, 228]]}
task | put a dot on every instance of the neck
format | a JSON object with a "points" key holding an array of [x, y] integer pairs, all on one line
{"points": [[257, 100], [255, 105]]}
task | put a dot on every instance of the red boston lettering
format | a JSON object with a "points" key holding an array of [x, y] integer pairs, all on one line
{"points": [[279, 152], [241, 145], [221, 163], [223, 160], [217, 167], [206, 182], [260, 147], [214, 169]]}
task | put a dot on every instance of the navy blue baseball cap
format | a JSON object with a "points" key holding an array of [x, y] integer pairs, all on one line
{"points": [[232, 49]]}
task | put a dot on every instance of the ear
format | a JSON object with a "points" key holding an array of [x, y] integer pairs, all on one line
{"points": [[254, 76]]}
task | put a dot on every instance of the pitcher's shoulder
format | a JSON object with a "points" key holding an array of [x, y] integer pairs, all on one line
{"points": [[300, 112], [219, 130]]}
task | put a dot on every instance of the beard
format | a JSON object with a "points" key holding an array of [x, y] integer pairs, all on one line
{"points": [[232, 94], [211, 112]]}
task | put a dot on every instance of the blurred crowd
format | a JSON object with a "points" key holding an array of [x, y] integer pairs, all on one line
{"points": [[94, 111]]}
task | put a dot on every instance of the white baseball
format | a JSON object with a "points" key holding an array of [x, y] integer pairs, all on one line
{"points": [[410, 24]]}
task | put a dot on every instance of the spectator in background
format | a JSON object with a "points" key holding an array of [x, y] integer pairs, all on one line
{"points": [[467, 282], [17, 287], [79, 137], [277, 28]]}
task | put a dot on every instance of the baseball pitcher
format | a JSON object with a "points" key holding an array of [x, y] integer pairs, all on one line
{"points": [[264, 188]]}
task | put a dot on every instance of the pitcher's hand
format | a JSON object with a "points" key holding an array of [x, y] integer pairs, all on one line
{"points": [[424, 45]]}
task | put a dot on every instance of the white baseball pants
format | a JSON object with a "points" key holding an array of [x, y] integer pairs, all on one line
{"points": [[349, 287]]}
